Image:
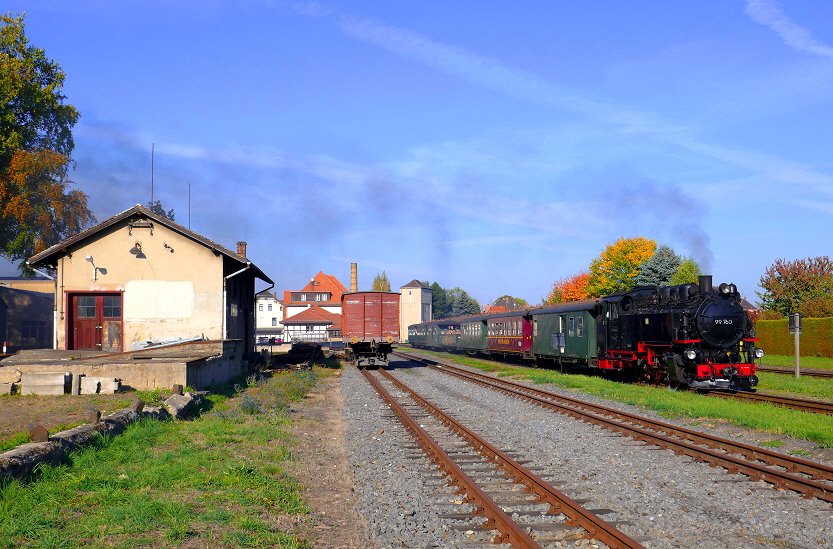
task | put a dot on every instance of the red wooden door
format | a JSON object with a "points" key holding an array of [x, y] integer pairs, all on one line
{"points": [[96, 322]]}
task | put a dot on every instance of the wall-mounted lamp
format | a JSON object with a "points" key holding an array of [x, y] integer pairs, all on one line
{"points": [[136, 249], [95, 269]]}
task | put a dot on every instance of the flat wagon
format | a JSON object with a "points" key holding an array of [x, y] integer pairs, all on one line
{"points": [[369, 326]]}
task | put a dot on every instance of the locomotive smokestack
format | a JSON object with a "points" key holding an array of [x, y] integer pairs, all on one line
{"points": [[354, 277], [705, 283]]}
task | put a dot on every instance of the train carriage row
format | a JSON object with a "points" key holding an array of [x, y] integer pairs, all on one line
{"points": [[692, 335]]}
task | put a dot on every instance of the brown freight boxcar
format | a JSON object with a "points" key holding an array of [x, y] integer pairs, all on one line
{"points": [[369, 326]]}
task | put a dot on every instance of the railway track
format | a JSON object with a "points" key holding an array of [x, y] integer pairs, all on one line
{"points": [[813, 406], [789, 371], [492, 481], [783, 471]]}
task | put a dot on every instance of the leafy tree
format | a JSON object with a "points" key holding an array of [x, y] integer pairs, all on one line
{"points": [[440, 302], [789, 285], [37, 207], [453, 302], [817, 307], [156, 207], [573, 288], [617, 266], [462, 303], [659, 268], [510, 302], [381, 283], [686, 273]]}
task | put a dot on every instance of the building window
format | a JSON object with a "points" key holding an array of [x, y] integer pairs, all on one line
{"points": [[112, 307], [274, 321], [270, 306], [310, 328], [260, 306], [33, 329]]}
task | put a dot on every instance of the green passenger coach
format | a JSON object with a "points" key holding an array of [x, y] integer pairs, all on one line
{"points": [[575, 322]]}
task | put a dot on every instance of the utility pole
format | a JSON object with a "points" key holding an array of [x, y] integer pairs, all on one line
{"points": [[795, 329]]}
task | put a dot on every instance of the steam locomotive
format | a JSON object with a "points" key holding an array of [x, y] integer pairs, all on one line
{"points": [[691, 335]]}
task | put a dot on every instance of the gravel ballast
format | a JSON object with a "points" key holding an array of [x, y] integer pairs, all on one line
{"points": [[669, 501]]}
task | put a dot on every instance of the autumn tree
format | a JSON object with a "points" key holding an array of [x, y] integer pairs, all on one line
{"points": [[572, 288], [37, 206], [381, 283], [687, 273], [617, 266], [659, 268], [790, 286]]}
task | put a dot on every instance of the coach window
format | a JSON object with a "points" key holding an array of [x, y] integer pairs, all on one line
{"points": [[571, 326], [580, 327], [535, 326]]}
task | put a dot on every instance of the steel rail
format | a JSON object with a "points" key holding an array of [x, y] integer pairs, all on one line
{"points": [[679, 439], [790, 371], [804, 405], [496, 518], [596, 528]]}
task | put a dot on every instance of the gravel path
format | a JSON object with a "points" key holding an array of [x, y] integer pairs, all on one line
{"points": [[671, 500]]}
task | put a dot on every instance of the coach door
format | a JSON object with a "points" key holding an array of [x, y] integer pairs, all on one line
{"points": [[95, 322]]}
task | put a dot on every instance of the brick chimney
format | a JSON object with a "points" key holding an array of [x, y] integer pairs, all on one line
{"points": [[241, 249]]}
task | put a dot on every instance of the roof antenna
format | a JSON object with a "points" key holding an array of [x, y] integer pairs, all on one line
{"points": [[152, 146]]}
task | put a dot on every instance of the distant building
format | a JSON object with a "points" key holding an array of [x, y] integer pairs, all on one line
{"points": [[415, 306], [268, 317], [26, 319], [35, 284], [322, 290], [312, 324]]}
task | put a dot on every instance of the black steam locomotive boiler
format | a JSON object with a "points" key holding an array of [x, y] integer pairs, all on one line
{"points": [[692, 335]]}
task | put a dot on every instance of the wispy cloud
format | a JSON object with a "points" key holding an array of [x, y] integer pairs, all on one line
{"points": [[766, 12], [825, 207], [493, 74]]}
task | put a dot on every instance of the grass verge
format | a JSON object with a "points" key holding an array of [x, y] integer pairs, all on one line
{"points": [[817, 428], [788, 361], [216, 481]]}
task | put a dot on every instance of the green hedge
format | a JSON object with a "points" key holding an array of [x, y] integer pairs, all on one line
{"points": [[816, 337]]}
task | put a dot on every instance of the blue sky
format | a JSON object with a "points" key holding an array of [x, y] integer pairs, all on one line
{"points": [[495, 146]]}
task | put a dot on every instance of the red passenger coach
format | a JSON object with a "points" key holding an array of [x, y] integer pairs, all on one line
{"points": [[509, 333], [369, 326]]}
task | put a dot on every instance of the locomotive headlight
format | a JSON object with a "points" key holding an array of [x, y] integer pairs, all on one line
{"points": [[759, 353], [690, 354]]}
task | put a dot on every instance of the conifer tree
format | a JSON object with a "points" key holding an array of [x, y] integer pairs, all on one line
{"points": [[659, 268]]}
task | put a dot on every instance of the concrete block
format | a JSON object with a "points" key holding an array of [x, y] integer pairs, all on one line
{"points": [[93, 415], [9, 374], [109, 385], [45, 378], [41, 389], [44, 383], [179, 405], [37, 433], [137, 405], [76, 384], [176, 389], [89, 385], [6, 388]]}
